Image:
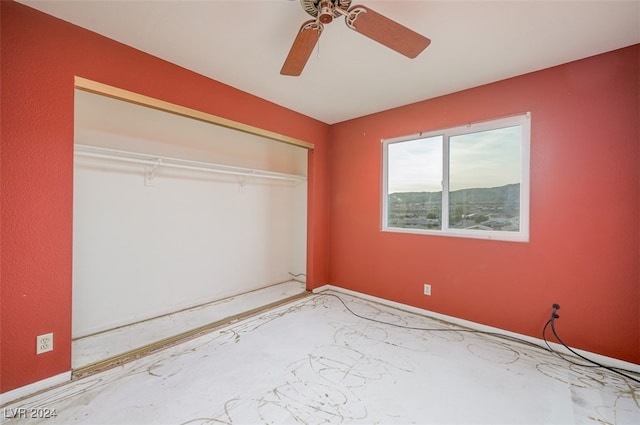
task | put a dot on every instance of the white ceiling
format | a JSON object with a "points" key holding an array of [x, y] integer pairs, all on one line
{"points": [[243, 43]]}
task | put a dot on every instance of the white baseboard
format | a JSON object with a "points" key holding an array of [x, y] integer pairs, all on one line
{"points": [[27, 390], [328, 288], [604, 360]]}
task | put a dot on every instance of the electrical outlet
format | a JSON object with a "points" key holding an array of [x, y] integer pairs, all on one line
{"points": [[427, 289], [44, 343]]}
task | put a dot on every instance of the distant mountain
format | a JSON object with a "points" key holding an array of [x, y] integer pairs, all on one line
{"points": [[490, 195], [509, 193]]}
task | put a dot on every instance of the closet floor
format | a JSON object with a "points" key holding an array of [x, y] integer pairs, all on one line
{"points": [[97, 348]]}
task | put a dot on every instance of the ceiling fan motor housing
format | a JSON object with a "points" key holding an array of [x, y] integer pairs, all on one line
{"points": [[325, 10]]}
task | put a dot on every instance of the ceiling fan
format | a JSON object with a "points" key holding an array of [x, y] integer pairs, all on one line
{"points": [[360, 19]]}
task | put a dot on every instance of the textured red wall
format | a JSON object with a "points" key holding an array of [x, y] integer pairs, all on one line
{"points": [[585, 195], [40, 57]]}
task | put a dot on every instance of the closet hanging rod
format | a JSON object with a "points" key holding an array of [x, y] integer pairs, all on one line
{"points": [[161, 161]]}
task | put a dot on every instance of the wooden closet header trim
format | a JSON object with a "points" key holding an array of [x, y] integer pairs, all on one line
{"points": [[139, 99]]}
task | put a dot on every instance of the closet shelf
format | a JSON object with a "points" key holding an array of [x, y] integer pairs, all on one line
{"points": [[156, 161]]}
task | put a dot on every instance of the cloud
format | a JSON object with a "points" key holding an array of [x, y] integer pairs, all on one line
{"points": [[481, 159], [415, 165]]}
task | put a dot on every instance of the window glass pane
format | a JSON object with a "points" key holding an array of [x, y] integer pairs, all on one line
{"points": [[414, 183], [484, 180]]}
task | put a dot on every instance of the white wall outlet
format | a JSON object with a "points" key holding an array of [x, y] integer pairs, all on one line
{"points": [[427, 289], [44, 343]]}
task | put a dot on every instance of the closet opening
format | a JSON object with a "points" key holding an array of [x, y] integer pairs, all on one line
{"points": [[180, 224]]}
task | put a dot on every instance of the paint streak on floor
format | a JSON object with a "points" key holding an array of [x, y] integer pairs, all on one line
{"points": [[313, 362]]}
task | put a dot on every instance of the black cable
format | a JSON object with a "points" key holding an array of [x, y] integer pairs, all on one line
{"points": [[551, 321], [557, 353], [498, 335], [416, 328]]}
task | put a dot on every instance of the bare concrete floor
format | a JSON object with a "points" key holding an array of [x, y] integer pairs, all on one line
{"points": [[314, 362]]}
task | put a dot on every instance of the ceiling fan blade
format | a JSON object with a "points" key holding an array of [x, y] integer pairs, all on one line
{"points": [[302, 47], [386, 31]]}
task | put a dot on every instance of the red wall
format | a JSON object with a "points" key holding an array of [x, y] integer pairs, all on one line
{"points": [[40, 57], [584, 247]]}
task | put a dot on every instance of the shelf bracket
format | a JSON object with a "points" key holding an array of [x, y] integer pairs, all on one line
{"points": [[150, 173]]}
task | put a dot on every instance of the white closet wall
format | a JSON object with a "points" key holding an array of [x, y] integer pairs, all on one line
{"points": [[146, 247]]}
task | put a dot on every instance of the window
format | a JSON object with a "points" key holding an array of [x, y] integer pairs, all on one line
{"points": [[468, 181]]}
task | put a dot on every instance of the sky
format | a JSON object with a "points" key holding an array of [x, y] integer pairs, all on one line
{"points": [[482, 159]]}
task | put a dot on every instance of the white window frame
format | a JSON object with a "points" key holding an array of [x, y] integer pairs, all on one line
{"points": [[524, 121]]}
